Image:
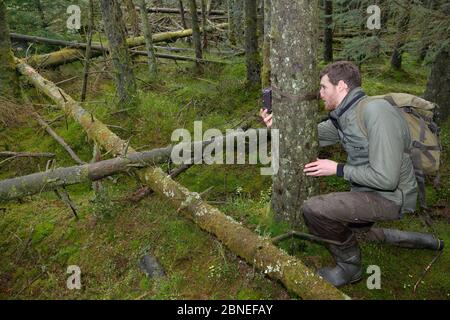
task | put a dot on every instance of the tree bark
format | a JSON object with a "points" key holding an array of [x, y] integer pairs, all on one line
{"points": [[231, 26], [148, 40], [9, 84], [328, 35], [182, 16], [115, 30], [251, 44], [256, 250], [265, 70], [196, 32], [87, 55], [402, 29], [132, 17], [205, 40], [439, 83], [294, 83], [238, 18]]}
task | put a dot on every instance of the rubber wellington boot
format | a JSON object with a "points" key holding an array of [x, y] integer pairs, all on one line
{"points": [[348, 265], [405, 239]]}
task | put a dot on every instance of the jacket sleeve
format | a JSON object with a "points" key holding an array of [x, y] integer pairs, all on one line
{"points": [[386, 147], [328, 133]]}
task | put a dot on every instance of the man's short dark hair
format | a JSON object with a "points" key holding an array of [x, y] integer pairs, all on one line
{"points": [[345, 71]]}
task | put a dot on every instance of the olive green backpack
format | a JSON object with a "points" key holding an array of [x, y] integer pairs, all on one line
{"points": [[426, 148]]}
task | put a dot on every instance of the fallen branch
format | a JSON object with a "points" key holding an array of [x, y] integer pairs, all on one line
{"points": [[145, 191], [177, 11], [74, 52], [26, 154], [62, 194], [50, 180], [426, 270], [15, 155], [174, 57], [58, 139], [256, 250]]}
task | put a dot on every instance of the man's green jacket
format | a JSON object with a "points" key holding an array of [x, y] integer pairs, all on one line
{"points": [[378, 162]]}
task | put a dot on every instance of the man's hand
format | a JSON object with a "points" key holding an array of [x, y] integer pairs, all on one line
{"points": [[267, 118], [321, 167]]}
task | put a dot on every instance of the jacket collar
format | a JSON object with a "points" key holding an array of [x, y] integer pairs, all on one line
{"points": [[350, 99]]}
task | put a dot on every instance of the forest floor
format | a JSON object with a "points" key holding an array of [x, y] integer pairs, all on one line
{"points": [[40, 238]]}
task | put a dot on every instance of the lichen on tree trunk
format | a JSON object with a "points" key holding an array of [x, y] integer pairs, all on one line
{"points": [[294, 77]]}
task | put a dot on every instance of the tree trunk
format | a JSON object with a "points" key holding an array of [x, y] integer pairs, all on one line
{"points": [[251, 44], [328, 35], [402, 29], [115, 30], [439, 83], [132, 17], [205, 40], [254, 249], [265, 70], [294, 83], [148, 40], [238, 18], [196, 32], [183, 18], [260, 19], [231, 27], [87, 55], [9, 83]]}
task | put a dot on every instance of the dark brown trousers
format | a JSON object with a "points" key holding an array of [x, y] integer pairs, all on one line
{"points": [[330, 216]]}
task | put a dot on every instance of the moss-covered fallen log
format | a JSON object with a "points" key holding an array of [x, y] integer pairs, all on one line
{"points": [[50, 180], [254, 249], [31, 184], [74, 52]]}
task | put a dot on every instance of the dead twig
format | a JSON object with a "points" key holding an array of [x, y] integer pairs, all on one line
{"points": [[64, 197], [427, 269]]}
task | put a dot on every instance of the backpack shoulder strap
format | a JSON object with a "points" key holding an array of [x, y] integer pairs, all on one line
{"points": [[360, 112]]}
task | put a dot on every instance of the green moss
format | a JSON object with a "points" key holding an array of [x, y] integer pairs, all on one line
{"points": [[41, 231]]}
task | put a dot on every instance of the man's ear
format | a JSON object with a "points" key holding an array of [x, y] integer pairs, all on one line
{"points": [[342, 86]]}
